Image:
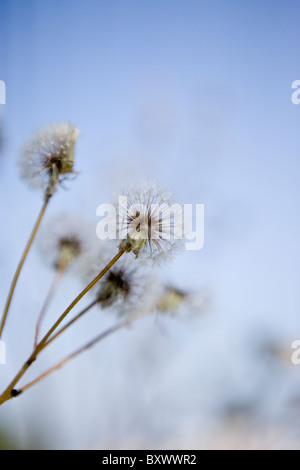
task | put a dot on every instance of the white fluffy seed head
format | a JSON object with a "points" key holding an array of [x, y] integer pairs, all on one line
{"points": [[66, 241], [48, 158], [146, 221]]}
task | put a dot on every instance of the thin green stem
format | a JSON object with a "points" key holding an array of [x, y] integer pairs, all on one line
{"points": [[6, 395], [21, 263]]}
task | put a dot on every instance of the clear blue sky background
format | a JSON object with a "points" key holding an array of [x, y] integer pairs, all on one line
{"points": [[194, 94]]}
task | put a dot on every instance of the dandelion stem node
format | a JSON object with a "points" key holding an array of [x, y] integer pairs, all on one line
{"points": [[31, 361], [134, 243], [15, 393]]}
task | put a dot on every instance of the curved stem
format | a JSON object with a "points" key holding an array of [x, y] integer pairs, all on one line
{"points": [[80, 315], [21, 263], [6, 395], [57, 278], [84, 348], [42, 344]]}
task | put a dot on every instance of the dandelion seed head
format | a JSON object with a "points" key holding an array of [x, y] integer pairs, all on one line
{"points": [[124, 287], [171, 299], [146, 221], [180, 302], [48, 158], [66, 240], [120, 284]]}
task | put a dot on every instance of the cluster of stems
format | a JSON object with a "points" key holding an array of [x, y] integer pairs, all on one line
{"points": [[54, 332]]}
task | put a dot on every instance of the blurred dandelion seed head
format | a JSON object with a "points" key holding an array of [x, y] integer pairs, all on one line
{"points": [[71, 247], [176, 301], [120, 283], [171, 299], [146, 221], [66, 241], [48, 158], [125, 287]]}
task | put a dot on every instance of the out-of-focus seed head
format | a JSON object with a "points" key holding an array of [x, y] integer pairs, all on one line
{"points": [[125, 287], [171, 300], [176, 301], [65, 240], [120, 283], [48, 158]]}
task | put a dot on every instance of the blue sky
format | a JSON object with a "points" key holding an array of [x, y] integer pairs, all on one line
{"points": [[196, 95]]}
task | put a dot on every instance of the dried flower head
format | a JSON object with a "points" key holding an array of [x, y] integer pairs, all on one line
{"points": [[148, 221], [171, 299], [48, 158], [174, 301], [66, 239], [123, 287], [121, 283]]}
